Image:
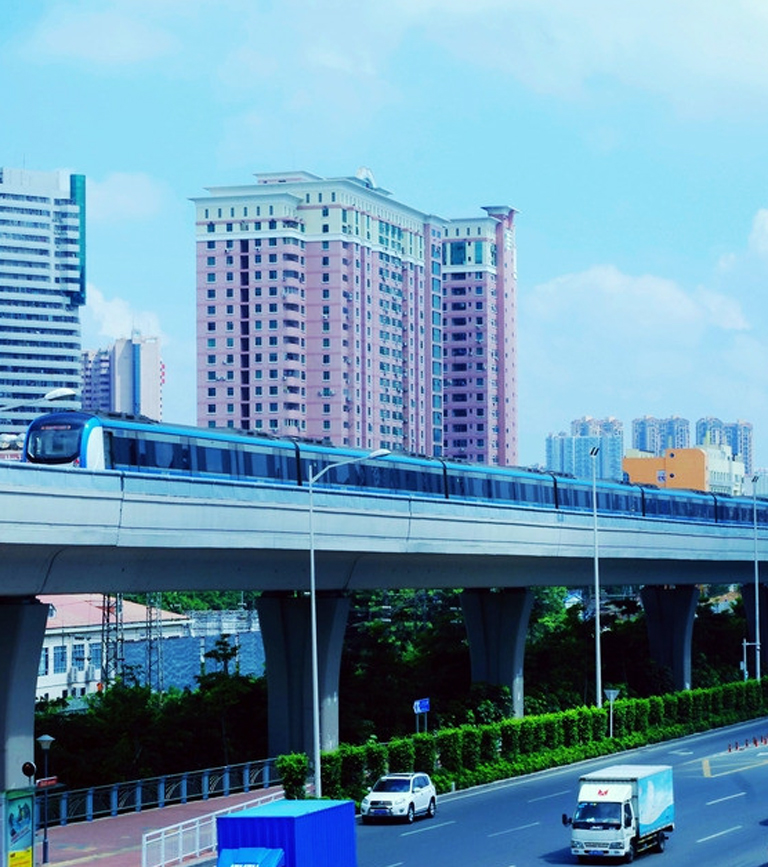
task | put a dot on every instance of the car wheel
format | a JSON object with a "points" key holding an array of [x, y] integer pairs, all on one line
{"points": [[409, 816], [431, 809], [366, 820]]}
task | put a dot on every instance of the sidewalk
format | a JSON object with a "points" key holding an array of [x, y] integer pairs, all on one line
{"points": [[116, 841]]}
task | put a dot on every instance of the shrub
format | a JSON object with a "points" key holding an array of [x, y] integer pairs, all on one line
{"points": [[489, 743], [401, 754], [376, 758], [424, 753], [470, 747], [293, 769], [509, 730], [448, 742], [352, 771], [330, 774]]}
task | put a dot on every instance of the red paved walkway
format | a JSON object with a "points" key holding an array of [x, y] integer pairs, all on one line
{"points": [[116, 842]]}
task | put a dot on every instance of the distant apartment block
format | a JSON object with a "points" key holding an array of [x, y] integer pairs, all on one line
{"points": [[128, 377], [327, 309], [42, 287], [737, 435], [655, 435], [572, 454]]}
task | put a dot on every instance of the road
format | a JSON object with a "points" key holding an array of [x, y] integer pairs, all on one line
{"points": [[721, 796]]}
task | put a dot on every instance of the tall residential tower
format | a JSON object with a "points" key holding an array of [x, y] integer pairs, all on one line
{"points": [[327, 309], [42, 287]]}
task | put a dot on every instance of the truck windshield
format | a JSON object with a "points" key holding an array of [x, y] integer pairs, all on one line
{"points": [[596, 814]]}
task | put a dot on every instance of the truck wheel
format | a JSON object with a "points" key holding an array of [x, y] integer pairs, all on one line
{"points": [[661, 842], [630, 856]]}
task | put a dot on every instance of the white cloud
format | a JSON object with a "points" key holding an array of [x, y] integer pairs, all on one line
{"points": [[102, 35], [602, 343], [126, 196], [702, 56], [105, 320]]}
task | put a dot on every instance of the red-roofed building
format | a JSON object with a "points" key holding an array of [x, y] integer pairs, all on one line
{"points": [[71, 659]]}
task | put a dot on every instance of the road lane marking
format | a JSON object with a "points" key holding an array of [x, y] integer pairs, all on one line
{"points": [[430, 827], [721, 833], [512, 830], [727, 798], [546, 797]]}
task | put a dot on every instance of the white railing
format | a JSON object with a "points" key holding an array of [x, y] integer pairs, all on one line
{"points": [[190, 839]]}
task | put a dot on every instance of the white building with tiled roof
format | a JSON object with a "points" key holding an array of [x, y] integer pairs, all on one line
{"points": [[71, 659]]}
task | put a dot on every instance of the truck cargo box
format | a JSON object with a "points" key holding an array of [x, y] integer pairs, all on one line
{"points": [[310, 833]]}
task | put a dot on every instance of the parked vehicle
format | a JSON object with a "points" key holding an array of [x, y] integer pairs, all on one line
{"points": [[400, 796], [621, 811]]}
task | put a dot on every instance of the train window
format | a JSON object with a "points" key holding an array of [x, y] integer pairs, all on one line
{"points": [[171, 454], [124, 452], [215, 459], [266, 464]]}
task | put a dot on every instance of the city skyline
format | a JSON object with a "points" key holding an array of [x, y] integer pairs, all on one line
{"points": [[634, 158]]}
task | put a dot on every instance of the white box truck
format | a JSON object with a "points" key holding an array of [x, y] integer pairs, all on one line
{"points": [[621, 811]]}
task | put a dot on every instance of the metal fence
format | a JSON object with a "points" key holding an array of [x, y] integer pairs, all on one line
{"points": [[63, 806], [191, 839]]}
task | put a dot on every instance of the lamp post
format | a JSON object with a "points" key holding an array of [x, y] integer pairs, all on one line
{"points": [[755, 480], [314, 477], [45, 742], [53, 394], [593, 453]]}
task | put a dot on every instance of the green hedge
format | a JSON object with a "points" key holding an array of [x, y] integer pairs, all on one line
{"points": [[471, 755]]}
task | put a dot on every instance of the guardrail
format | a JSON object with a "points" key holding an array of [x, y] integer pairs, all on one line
{"points": [[191, 839], [85, 805]]}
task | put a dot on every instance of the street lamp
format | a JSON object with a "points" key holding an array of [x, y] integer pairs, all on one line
{"points": [[45, 742], [313, 477], [755, 480], [53, 394], [593, 453]]}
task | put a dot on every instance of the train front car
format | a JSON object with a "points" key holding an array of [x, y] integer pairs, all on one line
{"points": [[72, 439]]}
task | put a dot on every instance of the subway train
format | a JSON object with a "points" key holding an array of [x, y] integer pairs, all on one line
{"points": [[128, 444]]}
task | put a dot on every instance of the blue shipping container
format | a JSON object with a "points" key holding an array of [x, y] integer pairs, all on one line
{"points": [[310, 833]]}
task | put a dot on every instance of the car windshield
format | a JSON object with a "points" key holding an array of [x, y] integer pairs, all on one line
{"points": [[390, 784]]}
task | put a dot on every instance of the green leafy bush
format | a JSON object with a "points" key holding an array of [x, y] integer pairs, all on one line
{"points": [[293, 769]]}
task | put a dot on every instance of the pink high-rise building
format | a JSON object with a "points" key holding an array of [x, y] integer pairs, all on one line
{"points": [[320, 313]]}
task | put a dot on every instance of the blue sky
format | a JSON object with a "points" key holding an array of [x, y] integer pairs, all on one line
{"points": [[630, 137]]}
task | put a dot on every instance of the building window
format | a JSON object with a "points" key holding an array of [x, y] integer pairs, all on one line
{"points": [[59, 659], [78, 657], [42, 669]]}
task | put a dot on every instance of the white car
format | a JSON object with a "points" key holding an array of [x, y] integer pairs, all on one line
{"points": [[400, 796]]}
